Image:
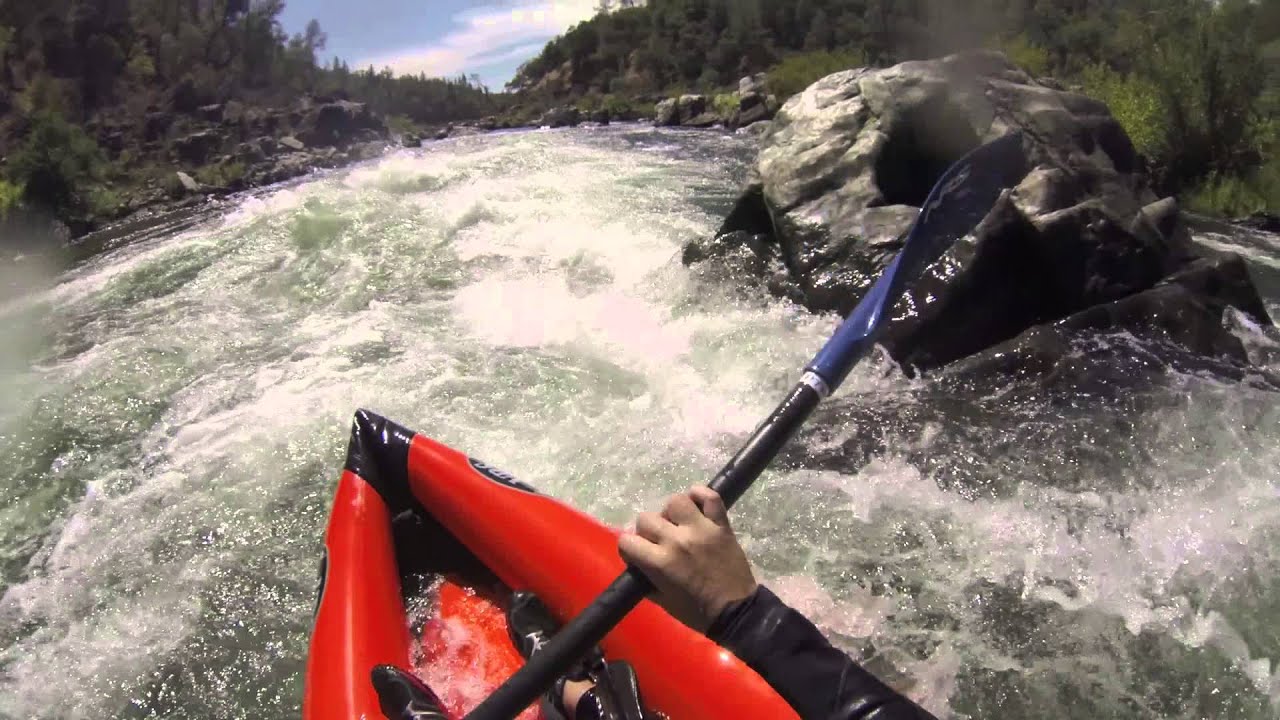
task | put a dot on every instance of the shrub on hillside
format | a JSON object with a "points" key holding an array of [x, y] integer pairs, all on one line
{"points": [[402, 125], [1138, 106], [10, 196], [1239, 196], [57, 165], [1026, 55], [798, 72], [726, 104], [616, 105], [221, 175]]}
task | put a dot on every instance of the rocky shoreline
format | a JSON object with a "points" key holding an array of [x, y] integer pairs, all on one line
{"points": [[184, 157], [218, 151]]}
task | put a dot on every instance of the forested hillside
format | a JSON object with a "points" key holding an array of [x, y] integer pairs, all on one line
{"points": [[1194, 81], [94, 93]]}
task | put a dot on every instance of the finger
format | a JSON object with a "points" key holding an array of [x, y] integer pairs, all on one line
{"points": [[641, 553], [653, 527], [681, 510], [710, 504]]}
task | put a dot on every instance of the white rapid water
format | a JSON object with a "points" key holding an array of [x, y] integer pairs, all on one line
{"points": [[176, 411]]}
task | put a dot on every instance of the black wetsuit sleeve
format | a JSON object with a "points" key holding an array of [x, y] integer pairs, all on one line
{"points": [[818, 680]]}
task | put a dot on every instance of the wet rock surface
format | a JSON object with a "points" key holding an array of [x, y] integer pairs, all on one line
{"points": [[1081, 240]]}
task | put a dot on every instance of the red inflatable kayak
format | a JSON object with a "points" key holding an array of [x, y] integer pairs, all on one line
{"points": [[418, 525]]}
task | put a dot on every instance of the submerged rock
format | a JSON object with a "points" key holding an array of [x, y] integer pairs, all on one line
{"points": [[846, 164], [1187, 308], [1263, 221], [756, 129], [703, 120]]}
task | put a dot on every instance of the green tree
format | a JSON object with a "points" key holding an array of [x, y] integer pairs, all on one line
{"points": [[57, 165]]}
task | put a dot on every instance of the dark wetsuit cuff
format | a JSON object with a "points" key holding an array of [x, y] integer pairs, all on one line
{"points": [[731, 616]]}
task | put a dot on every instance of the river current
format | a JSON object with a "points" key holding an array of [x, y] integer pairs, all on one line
{"points": [[175, 413]]}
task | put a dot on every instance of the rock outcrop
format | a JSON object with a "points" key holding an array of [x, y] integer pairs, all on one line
{"points": [[685, 111], [751, 105], [846, 164], [666, 113], [340, 124], [198, 147], [186, 183], [567, 116], [755, 104]]}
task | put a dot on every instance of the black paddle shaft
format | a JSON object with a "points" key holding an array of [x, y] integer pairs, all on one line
{"points": [[586, 630]]}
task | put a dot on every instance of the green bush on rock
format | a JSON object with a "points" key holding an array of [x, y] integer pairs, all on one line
{"points": [[221, 175], [1136, 104], [726, 104], [1027, 55], [1235, 196], [798, 72]]}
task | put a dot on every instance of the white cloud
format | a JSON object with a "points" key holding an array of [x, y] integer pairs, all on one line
{"points": [[488, 35]]}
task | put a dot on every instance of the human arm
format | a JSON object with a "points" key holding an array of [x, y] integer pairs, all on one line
{"points": [[704, 580], [818, 680]]}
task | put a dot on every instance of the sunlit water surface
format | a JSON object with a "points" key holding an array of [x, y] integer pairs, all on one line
{"points": [[175, 414]]}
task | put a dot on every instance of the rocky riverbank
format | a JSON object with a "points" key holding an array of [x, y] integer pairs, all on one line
{"points": [[179, 157], [184, 156]]}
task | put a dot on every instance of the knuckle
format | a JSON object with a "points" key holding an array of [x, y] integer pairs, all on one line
{"points": [[688, 541]]}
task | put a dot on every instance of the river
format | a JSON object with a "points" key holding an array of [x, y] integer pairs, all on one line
{"points": [[176, 411]]}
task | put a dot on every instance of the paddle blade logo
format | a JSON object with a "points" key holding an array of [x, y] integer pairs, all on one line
{"points": [[956, 183], [502, 477]]}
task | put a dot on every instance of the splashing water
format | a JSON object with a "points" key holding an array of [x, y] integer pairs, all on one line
{"points": [[176, 413]]}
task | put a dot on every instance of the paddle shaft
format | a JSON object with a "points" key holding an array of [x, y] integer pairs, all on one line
{"points": [[590, 626]]}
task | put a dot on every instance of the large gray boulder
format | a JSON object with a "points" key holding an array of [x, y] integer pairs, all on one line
{"points": [[752, 85], [692, 109], [198, 147], [753, 108], [666, 113], [754, 103], [339, 124], [846, 164], [567, 116], [685, 111]]}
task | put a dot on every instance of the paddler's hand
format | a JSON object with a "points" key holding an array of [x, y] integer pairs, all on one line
{"points": [[691, 555]]}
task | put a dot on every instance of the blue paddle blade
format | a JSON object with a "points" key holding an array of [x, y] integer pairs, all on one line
{"points": [[957, 203]]}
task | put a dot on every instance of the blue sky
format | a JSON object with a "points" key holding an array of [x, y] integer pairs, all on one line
{"points": [[439, 37]]}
